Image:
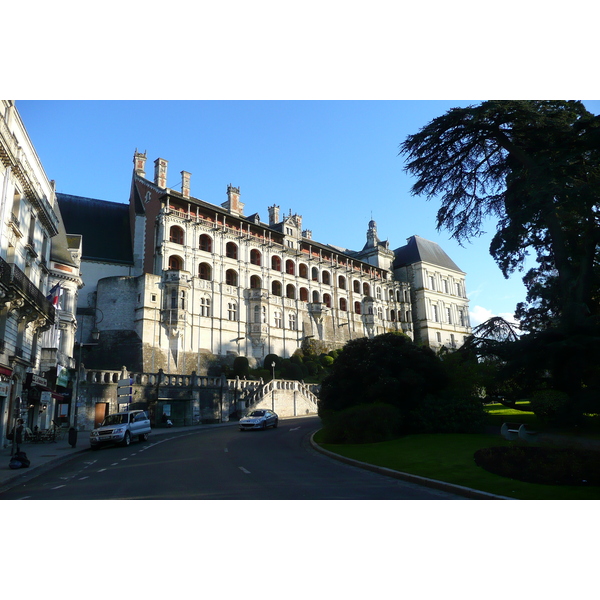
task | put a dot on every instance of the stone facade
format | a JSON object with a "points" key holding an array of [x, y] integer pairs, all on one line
{"points": [[208, 283], [37, 328]]}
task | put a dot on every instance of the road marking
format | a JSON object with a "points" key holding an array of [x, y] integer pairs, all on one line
{"points": [[24, 497], [114, 464], [294, 428], [244, 470], [86, 477], [58, 486], [124, 459], [100, 470], [226, 449]]}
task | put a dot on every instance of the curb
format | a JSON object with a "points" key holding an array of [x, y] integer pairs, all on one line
{"points": [[424, 481]]}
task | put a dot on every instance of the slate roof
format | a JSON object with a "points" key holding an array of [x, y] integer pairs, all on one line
{"points": [[104, 227], [419, 249]]}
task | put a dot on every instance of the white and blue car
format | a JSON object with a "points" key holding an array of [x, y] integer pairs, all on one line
{"points": [[259, 419]]}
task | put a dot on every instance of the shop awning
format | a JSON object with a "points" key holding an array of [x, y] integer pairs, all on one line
{"points": [[5, 371]]}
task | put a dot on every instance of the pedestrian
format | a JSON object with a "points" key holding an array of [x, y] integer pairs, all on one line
{"points": [[19, 434]]}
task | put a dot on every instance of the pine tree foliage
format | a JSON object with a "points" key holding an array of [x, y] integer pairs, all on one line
{"points": [[534, 167]]}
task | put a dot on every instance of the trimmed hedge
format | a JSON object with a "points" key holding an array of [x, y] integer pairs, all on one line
{"points": [[362, 424]]}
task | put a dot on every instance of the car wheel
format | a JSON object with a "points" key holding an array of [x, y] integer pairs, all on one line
{"points": [[144, 437], [127, 439], [264, 425]]}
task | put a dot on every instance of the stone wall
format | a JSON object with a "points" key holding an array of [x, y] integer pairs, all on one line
{"points": [[189, 399]]}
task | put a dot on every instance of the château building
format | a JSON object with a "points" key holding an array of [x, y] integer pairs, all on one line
{"points": [[176, 283]]}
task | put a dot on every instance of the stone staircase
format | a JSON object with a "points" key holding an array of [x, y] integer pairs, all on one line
{"points": [[288, 398]]}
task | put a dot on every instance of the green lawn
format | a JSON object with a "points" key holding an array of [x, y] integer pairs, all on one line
{"points": [[449, 457], [498, 414]]}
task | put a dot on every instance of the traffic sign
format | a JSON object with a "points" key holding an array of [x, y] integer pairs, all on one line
{"points": [[124, 388]]}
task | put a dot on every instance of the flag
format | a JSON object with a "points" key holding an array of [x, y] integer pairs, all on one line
{"points": [[54, 295]]}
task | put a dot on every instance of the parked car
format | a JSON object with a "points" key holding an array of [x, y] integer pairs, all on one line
{"points": [[121, 428], [259, 419]]}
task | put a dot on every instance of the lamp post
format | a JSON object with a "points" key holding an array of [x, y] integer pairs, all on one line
{"points": [[273, 367]]}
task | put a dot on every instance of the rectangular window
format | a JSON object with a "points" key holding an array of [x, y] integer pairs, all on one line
{"points": [[232, 311], [205, 307], [277, 317]]}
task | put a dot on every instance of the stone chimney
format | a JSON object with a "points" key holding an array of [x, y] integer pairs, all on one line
{"points": [[160, 172], [185, 183], [273, 215], [139, 161], [233, 204]]}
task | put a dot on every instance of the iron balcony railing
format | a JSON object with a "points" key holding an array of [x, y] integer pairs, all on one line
{"points": [[11, 277]]}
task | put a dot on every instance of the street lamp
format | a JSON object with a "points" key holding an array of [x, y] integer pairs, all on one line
{"points": [[273, 366]]}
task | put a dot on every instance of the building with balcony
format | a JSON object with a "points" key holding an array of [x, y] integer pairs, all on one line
{"points": [[36, 256], [180, 284]]}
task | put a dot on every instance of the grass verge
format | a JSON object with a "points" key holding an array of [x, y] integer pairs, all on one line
{"points": [[449, 458]]}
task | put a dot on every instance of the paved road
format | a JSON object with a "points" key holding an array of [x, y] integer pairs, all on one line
{"points": [[219, 464]]}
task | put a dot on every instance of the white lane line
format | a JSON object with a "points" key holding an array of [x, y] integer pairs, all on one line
{"points": [[124, 459], [244, 470], [100, 470], [294, 428], [24, 497], [58, 486], [86, 477], [114, 464]]}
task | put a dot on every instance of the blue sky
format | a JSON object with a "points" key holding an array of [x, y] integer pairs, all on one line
{"points": [[334, 162]]}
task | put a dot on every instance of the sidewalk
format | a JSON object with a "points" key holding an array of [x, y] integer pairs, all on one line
{"points": [[46, 455]]}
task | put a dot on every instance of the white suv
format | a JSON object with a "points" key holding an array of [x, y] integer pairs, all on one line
{"points": [[121, 428]]}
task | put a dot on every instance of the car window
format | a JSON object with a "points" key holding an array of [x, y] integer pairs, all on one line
{"points": [[115, 419]]}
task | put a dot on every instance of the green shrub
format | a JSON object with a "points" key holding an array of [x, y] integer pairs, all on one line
{"points": [[543, 465], [312, 367], [362, 424], [550, 406], [296, 359], [290, 370], [449, 413], [263, 374], [326, 360], [241, 367], [269, 360]]}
